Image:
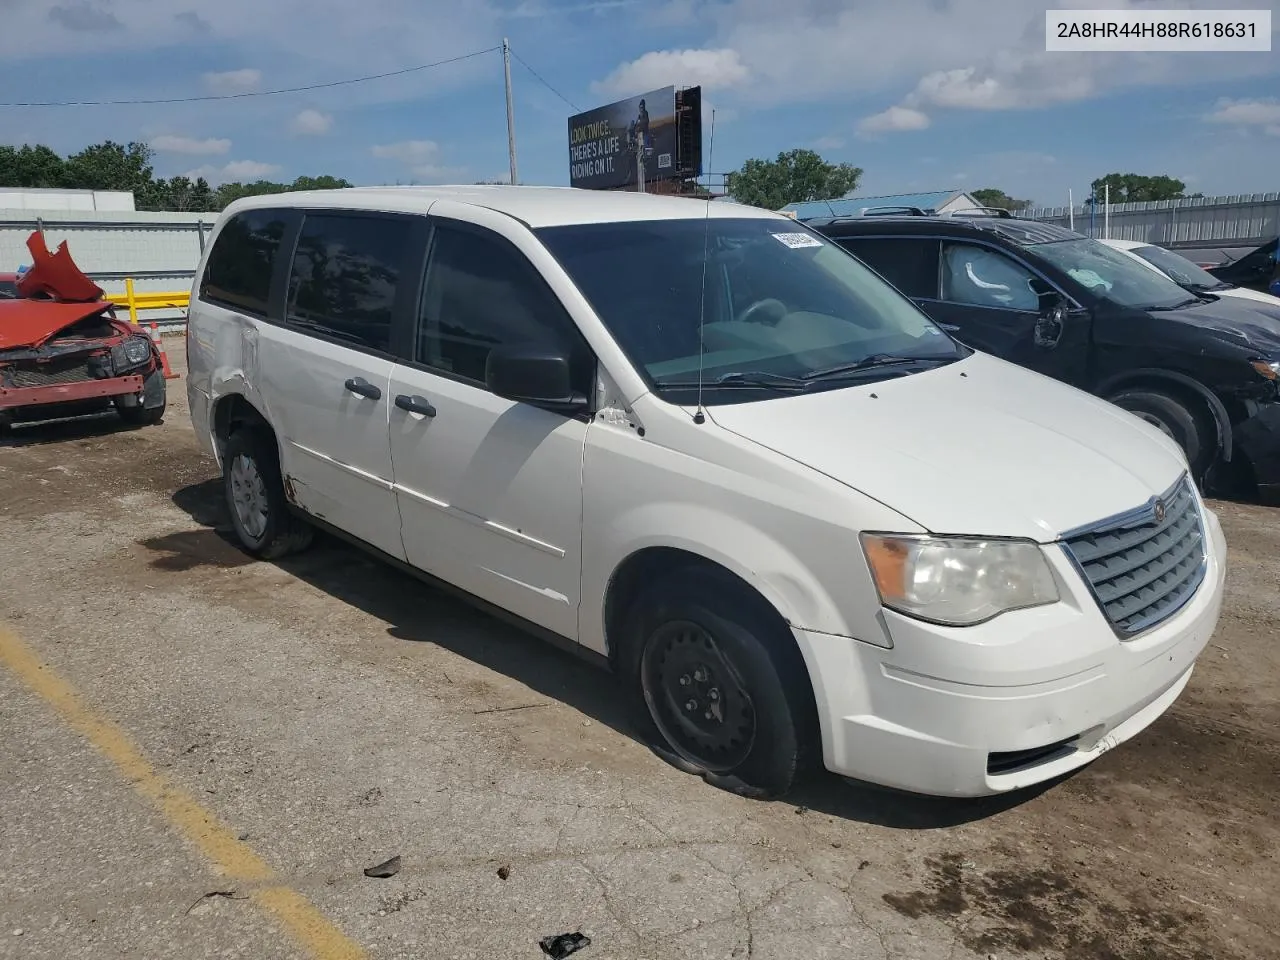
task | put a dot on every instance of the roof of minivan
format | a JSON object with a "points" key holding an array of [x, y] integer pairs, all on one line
{"points": [[534, 206]]}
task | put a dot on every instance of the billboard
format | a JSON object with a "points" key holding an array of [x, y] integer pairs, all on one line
{"points": [[604, 147]]}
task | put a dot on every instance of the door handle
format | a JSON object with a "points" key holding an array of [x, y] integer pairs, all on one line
{"points": [[949, 327], [363, 387], [416, 404]]}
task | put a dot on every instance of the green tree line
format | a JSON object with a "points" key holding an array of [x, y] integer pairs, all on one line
{"points": [[116, 166]]}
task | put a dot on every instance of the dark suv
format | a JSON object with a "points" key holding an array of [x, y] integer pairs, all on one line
{"points": [[1202, 368]]}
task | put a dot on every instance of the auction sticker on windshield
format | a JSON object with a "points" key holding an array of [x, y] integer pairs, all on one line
{"points": [[796, 240]]}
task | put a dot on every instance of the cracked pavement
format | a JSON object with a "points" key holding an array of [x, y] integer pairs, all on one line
{"points": [[334, 713]]}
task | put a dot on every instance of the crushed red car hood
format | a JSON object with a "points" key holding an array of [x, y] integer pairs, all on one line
{"points": [[55, 274], [31, 323], [64, 297]]}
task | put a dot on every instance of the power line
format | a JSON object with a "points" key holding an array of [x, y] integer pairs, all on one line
{"points": [[538, 77], [257, 93]]}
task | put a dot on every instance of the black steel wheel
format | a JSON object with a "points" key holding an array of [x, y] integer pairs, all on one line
{"points": [[721, 687], [696, 698]]}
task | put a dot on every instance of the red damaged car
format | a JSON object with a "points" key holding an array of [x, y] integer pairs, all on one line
{"points": [[64, 352]]}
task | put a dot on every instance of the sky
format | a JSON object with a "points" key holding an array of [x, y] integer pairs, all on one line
{"points": [[922, 94]]}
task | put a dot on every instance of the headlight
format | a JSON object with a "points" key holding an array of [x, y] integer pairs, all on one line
{"points": [[1268, 368], [137, 350], [958, 582]]}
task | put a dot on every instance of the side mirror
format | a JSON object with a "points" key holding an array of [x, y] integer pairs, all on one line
{"points": [[1053, 321], [534, 375]]}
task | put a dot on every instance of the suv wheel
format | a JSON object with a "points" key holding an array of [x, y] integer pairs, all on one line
{"points": [[1171, 415], [721, 684], [260, 514]]}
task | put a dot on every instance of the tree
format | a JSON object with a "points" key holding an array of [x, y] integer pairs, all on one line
{"points": [[29, 166], [113, 166], [110, 166], [1135, 188], [795, 176], [991, 197]]}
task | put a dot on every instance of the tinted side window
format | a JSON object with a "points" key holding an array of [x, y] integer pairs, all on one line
{"points": [[909, 263], [346, 270], [481, 293], [238, 272], [986, 278]]}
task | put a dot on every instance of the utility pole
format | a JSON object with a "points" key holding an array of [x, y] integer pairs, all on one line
{"points": [[511, 113]]}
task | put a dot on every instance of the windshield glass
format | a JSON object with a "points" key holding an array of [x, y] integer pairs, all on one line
{"points": [[1112, 275], [1178, 267], [779, 304]]}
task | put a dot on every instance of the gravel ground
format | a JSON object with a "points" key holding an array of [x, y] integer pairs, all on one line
{"points": [[333, 712]]}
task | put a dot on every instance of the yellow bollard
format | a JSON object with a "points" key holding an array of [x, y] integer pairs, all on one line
{"points": [[133, 304]]}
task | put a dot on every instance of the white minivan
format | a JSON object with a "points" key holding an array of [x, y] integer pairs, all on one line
{"points": [[701, 444]]}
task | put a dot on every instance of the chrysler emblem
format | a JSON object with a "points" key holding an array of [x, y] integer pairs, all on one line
{"points": [[1160, 511]]}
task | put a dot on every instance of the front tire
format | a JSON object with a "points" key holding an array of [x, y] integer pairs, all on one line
{"points": [[140, 416], [260, 514], [1183, 423], [723, 690]]}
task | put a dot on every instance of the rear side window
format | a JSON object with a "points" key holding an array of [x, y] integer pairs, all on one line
{"points": [[910, 264], [346, 273], [238, 273]]}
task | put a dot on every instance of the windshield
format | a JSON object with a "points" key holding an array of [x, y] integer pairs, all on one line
{"points": [[1178, 267], [779, 305], [1112, 275]]}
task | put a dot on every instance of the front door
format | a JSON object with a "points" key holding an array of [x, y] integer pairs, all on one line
{"points": [[489, 489], [996, 304], [327, 371]]}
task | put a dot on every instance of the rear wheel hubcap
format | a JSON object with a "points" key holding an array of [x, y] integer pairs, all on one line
{"points": [[249, 496]]}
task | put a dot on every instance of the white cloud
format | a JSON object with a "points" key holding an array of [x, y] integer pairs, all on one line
{"points": [[828, 143], [413, 153], [710, 69], [1247, 114], [168, 143], [249, 169], [243, 171], [892, 120], [233, 81], [532, 9], [422, 160], [311, 123]]}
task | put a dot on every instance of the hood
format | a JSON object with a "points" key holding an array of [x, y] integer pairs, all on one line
{"points": [[1257, 296], [32, 323], [1247, 323], [978, 447]]}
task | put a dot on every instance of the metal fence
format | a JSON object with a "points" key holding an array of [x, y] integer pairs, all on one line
{"points": [[157, 251], [1245, 221]]}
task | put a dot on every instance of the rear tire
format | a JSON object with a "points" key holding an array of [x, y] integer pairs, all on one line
{"points": [[260, 514], [1187, 425], [722, 689]]}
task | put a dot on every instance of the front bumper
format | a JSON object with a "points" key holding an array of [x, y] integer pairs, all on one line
{"points": [[14, 397], [1259, 439], [1024, 698]]}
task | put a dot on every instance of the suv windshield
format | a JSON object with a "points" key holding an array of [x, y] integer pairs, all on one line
{"points": [[1181, 269], [1112, 275], [781, 308]]}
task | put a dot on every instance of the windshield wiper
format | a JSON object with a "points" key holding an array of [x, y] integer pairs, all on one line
{"points": [[740, 378], [1178, 306], [870, 363]]}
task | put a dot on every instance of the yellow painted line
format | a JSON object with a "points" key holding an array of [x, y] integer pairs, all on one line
{"points": [[229, 855]]}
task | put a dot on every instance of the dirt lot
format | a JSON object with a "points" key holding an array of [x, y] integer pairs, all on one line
{"points": [[332, 713]]}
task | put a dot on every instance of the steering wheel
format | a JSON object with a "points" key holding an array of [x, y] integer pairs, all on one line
{"points": [[770, 302]]}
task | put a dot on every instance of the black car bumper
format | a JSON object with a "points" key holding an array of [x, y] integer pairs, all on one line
{"points": [[1258, 438]]}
